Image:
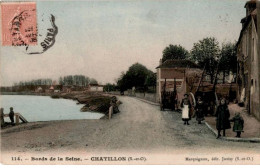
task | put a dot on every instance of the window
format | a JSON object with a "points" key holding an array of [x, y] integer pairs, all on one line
{"points": [[253, 50], [252, 86]]}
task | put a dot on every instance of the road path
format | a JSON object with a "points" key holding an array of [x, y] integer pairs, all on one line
{"points": [[138, 127]]}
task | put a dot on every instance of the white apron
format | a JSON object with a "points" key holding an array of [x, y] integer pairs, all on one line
{"points": [[185, 112]]}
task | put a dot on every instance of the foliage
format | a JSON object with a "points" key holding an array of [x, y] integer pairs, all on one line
{"points": [[136, 76], [174, 52], [206, 53], [34, 82], [77, 80], [228, 61], [150, 79], [109, 87], [93, 81]]}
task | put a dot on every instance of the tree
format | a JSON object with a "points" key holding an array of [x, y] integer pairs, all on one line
{"points": [[228, 60], [174, 52], [109, 87], [150, 79], [136, 76], [121, 82], [61, 81], [93, 81], [206, 53], [150, 82]]}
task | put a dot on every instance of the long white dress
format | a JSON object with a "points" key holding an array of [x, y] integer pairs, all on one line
{"points": [[185, 112]]}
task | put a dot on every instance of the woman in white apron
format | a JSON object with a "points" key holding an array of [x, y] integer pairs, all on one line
{"points": [[185, 104]]}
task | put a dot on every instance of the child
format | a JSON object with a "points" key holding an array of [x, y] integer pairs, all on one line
{"points": [[238, 124], [185, 104]]}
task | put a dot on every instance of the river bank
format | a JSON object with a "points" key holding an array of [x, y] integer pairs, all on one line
{"points": [[92, 101]]}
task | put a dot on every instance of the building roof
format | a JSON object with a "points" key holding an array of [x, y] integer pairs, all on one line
{"points": [[246, 21], [177, 63]]}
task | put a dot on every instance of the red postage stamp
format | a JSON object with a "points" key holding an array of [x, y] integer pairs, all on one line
{"points": [[19, 24]]}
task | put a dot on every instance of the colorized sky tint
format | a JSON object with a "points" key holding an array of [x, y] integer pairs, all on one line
{"points": [[100, 39]]}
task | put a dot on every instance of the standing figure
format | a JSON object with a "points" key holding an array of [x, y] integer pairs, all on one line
{"points": [[199, 110], [222, 120], [2, 117], [11, 115], [238, 124], [186, 105], [163, 101], [173, 100]]}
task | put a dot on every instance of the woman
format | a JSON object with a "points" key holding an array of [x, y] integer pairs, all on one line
{"points": [[185, 104], [222, 120], [199, 110]]}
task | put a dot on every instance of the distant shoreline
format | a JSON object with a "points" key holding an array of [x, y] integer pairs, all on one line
{"points": [[25, 93]]}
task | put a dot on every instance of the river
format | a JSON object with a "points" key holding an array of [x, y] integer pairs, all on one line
{"points": [[44, 108]]}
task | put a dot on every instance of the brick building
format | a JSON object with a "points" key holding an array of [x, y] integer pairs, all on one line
{"points": [[248, 56], [178, 70]]}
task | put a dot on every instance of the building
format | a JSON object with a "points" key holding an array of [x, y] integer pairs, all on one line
{"points": [[39, 89], [179, 71], [95, 88], [248, 56], [50, 89]]}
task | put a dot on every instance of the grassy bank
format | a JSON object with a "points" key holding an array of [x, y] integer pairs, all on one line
{"points": [[93, 101]]}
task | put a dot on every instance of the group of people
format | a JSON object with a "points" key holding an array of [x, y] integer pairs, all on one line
{"points": [[222, 116], [11, 116]]}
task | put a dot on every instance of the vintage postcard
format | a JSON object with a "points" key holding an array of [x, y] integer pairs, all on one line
{"points": [[142, 82]]}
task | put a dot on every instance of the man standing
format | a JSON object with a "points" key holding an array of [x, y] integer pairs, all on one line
{"points": [[2, 117], [11, 115]]}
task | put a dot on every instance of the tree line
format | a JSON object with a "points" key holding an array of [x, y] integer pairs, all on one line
{"points": [[208, 54], [36, 82], [69, 80], [76, 80]]}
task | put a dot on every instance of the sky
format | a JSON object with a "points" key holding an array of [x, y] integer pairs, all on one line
{"points": [[100, 39]]}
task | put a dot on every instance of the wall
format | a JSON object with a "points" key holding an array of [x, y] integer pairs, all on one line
{"points": [[169, 74], [258, 53], [147, 96], [96, 88], [172, 73], [254, 81]]}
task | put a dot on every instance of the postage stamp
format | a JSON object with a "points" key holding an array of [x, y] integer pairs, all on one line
{"points": [[19, 24]]}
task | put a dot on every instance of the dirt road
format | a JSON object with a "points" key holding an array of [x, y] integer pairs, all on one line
{"points": [[140, 127]]}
